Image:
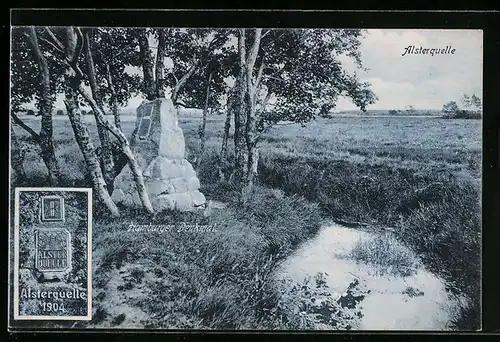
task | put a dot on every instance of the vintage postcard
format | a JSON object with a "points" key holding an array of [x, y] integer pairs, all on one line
{"points": [[52, 254], [247, 178]]}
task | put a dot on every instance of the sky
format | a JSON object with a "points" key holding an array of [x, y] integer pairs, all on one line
{"points": [[421, 81]]}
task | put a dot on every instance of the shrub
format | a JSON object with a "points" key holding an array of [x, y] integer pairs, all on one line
{"points": [[30, 112], [284, 221], [463, 114], [369, 193]]}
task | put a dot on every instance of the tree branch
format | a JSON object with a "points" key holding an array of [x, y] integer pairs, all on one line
{"points": [[274, 78], [242, 47], [54, 38], [266, 100], [252, 56], [67, 59], [259, 74], [79, 46], [28, 129], [55, 47], [173, 72], [183, 79]]}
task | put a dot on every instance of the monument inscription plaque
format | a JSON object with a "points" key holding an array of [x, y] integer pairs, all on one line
{"points": [[145, 124], [52, 209], [144, 127], [52, 250]]}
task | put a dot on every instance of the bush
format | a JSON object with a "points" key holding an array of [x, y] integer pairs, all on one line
{"points": [[30, 112], [463, 114], [368, 193], [448, 234], [284, 221]]}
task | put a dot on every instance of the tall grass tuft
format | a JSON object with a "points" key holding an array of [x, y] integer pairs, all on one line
{"points": [[387, 255]]}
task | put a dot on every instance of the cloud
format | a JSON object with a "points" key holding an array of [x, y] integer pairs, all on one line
{"points": [[435, 79]]}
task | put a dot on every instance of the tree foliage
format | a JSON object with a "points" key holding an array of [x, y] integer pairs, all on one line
{"points": [[208, 50], [303, 75], [25, 85], [472, 108], [116, 48]]}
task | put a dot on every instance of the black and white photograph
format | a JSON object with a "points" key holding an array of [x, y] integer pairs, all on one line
{"points": [[299, 179], [52, 254]]}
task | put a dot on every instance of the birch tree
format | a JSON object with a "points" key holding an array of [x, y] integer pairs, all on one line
{"points": [[300, 72], [72, 50], [31, 78], [107, 160]]}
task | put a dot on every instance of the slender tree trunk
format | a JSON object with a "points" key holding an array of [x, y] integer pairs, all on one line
{"points": [[16, 156], [183, 80], [253, 163], [83, 139], [240, 150], [223, 162], [125, 147], [120, 160], [250, 96], [107, 160], [160, 57], [114, 100], [147, 65], [45, 105], [225, 136], [73, 76], [250, 103], [251, 136], [203, 138]]}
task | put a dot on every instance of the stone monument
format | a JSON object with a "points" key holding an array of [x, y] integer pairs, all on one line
{"points": [[159, 146]]}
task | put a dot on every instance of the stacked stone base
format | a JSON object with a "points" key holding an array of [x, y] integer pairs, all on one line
{"points": [[171, 184]]}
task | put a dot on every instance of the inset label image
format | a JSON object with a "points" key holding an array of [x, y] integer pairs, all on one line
{"points": [[52, 261]]}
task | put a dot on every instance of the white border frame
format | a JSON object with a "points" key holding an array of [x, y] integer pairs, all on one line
{"points": [[88, 317]]}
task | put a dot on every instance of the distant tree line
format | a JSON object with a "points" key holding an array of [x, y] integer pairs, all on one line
{"points": [[471, 108]]}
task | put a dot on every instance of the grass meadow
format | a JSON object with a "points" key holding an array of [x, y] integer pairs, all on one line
{"points": [[419, 176]]}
